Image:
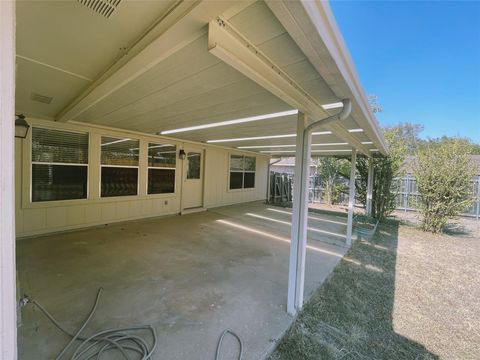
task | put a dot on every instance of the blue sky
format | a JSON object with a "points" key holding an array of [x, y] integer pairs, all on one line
{"points": [[422, 60]]}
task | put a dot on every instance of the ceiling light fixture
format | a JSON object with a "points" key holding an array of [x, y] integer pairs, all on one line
{"points": [[322, 133], [275, 136], [286, 146], [332, 106], [264, 146], [312, 151], [330, 144], [231, 122], [252, 138], [277, 151]]}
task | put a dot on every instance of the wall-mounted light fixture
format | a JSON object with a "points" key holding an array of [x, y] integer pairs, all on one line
{"points": [[21, 126], [182, 155]]}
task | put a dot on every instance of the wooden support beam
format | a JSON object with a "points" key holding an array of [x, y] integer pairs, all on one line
{"points": [[173, 31]]}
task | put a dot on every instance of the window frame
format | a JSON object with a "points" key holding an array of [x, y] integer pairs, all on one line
{"points": [[119, 137], [160, 168], [31, 163], [243, 171]]}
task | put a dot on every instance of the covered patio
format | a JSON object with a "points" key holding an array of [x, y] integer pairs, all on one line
{"points": [[189, 276], [159, 108]]}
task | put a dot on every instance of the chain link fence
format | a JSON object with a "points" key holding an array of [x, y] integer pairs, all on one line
{"points": [[408, 196], [407, 199]]}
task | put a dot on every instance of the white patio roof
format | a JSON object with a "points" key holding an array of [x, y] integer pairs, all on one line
{"points": [[159, 66]]}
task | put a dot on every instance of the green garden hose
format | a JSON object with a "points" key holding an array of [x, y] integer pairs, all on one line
{"points": [[93, 347]]}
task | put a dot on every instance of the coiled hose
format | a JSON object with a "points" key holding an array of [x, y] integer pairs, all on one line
{"points": [[122, 339], [93, 347]]}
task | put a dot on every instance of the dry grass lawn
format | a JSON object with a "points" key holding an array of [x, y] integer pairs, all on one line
{"points": [[403, 295]]}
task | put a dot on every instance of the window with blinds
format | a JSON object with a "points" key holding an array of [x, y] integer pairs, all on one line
{"points": [[242, 172], [119, 166], [161, 168], [59, 165]]}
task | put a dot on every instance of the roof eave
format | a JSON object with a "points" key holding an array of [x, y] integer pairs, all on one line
{"points": [[312, 25]]}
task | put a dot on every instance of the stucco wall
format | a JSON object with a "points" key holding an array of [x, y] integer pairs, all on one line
{"points": [[45, 217]]}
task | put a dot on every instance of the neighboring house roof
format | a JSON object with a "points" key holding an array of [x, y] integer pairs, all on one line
{"points": [[409, 163], [288, 161]]}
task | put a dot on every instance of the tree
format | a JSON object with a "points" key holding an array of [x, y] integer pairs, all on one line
{"points": [[410, 133], [475, 149], [373, 102], [330, 170], [444, 170], [386, 169]]}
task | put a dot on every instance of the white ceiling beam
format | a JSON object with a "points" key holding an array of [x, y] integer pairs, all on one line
{"points": [[229, 45], [182, 24]]}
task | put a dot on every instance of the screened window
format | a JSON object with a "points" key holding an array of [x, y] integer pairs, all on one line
{"points": [[119, 166], [161, 168], [242, 172], [59, 165]]}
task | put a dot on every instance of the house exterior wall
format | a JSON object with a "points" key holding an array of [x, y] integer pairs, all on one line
{"points": [[34, 218]]}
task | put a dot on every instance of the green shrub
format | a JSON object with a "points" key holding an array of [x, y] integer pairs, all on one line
{"points": [[385, 170], [443, 171]]}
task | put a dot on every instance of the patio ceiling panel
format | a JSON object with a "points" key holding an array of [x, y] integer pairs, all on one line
{"points": [[185, 85]]}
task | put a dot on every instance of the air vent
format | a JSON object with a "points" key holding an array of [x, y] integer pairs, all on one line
{"points": [[102, 7], [41, 98]]}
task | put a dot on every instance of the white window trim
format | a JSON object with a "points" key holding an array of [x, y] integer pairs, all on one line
{"points": [[174, 181], [31, 163], [242, 189], [164, 168], [137, 195]]}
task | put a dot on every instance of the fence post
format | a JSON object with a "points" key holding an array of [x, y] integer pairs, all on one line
{"points": [[478, 197]]}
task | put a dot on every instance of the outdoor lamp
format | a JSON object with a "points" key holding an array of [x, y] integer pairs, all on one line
{"points": [[21, 127], [181, 154]]}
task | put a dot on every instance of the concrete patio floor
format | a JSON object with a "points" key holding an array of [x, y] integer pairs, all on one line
{"points": [[190, 276]]}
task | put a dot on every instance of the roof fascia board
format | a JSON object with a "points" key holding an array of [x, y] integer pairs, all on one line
{"points": [[312, 26]]}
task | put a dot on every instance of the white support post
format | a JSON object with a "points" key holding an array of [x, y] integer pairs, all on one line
{"points": [[8, 321], [351, 197], [369, 187], [296, 270]]}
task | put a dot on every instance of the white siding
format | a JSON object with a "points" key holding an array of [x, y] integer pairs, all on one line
{"points": [[217, 191], [45, 217]]}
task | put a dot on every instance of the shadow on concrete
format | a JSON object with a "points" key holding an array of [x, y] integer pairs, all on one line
{"points": [[351, 315]]}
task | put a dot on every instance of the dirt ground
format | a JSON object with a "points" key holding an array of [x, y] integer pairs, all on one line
{"points": [[405, 294]]}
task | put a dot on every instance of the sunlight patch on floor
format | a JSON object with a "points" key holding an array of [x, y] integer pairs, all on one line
{"points": [[274, 237]]}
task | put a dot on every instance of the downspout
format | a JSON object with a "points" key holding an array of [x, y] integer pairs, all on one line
{"points": [[342, 115]]}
